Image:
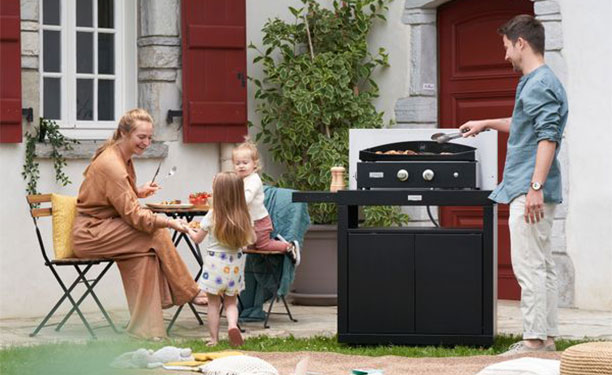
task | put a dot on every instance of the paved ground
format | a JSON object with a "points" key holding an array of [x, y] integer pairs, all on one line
{"points": [[574, 323]]}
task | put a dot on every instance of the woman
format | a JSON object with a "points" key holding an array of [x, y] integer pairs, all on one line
{"points": [[111, 223]]}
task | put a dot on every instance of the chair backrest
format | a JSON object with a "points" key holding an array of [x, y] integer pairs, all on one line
{"points": [[36, 211], [34, 200], [63, 212], [290, 219]]}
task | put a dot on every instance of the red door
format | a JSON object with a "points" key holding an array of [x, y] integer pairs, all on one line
{"points": [[476, 83], [214, 70], [10, 72]]}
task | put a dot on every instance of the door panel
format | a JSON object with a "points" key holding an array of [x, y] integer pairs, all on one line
{"points": [[448, 296], [384, 303], [476, 83]]}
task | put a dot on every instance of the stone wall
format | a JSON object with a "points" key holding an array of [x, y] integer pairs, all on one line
{"points": [[159, 63], [549, 13]]}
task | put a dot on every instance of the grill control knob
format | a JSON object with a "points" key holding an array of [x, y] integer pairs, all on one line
{"points": [[428, 175], [402, 175], [456, 174]]}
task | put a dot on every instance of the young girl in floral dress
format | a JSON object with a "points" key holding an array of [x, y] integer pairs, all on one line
{"points": [[229, 228]]}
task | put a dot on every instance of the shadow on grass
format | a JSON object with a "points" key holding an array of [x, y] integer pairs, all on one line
{"points": [[94, 357]]}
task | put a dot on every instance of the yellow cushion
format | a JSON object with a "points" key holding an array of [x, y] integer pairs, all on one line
{"points": [[63, 209]]}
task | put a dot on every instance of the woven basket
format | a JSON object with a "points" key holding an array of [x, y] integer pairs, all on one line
{"points": [[593, 358]]}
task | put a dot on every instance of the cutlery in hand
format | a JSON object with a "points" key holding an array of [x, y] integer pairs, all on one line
{"points": [[156, 172], [170, 173]]}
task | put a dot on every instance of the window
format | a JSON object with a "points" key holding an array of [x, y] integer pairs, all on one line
{"points": [[87, 64]]}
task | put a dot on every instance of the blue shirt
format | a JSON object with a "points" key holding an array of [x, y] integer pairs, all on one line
{"points": [[540, 112]]}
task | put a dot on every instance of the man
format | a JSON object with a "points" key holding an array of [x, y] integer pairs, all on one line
{"points": [[532, 178]]}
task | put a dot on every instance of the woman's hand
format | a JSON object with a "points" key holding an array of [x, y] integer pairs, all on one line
{"points": [[178, 225], [147, 190]]}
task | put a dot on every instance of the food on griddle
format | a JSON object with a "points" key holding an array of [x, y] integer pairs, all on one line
{"points": [[410, 152], [175, 201], [397, 152]]}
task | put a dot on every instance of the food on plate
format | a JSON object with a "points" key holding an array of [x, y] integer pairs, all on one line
{"points": [[175, 201], [199, 198]]}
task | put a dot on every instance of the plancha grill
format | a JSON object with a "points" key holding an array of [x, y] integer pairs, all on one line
{"points": [[417, 164], [426, 285]]}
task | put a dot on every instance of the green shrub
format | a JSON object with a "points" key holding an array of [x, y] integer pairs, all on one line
{"points": [[317, 85]]}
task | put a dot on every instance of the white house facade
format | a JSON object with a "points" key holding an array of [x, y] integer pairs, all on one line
{"points": [[86, 66]]}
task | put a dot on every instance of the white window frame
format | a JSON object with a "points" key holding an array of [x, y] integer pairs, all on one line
{"points": [[125, 77]]}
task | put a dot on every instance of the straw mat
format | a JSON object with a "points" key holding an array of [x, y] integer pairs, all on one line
{"points": [[592, 358]]}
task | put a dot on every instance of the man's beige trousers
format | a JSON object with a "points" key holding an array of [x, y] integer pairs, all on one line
{"points": [[534, 268]]}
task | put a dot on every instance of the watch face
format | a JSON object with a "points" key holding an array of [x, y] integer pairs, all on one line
{"points": [[536, 186]]}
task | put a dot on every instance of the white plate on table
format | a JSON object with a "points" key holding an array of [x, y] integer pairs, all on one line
{"points": [[160, 206]]}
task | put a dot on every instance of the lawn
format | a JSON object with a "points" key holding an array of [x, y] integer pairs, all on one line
{"points": [[94, 357]]}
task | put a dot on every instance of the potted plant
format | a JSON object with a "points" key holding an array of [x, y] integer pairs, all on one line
{"points": [[317, 85]]}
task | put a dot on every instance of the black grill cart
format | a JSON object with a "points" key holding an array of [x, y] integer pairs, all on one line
{"points": [[414, 285]]}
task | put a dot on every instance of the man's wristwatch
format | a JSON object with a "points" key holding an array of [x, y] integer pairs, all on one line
{"points": [[536, 185]]}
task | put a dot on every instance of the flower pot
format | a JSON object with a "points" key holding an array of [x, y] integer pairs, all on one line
{"points": [[316, 278]]}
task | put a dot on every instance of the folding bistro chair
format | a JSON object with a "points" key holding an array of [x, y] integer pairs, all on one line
{"points": [[272, 284], [269, 274], [82, 267]]}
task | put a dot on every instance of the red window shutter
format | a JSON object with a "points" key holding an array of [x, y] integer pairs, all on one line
{"points": [[214, 70], [10, 72]]}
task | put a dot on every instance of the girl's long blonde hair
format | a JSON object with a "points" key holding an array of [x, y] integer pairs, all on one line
{"points": [[126, 125], [232, 222]]}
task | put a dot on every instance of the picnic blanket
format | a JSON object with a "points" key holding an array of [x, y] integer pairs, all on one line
{"points": [[290, 220]]}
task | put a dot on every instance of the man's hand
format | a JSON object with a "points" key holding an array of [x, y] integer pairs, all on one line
{"points": [[472, 128], [534, 206], [147, 190]]}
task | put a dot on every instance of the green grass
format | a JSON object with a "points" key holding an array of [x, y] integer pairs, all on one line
{"points": [[94, 357]]}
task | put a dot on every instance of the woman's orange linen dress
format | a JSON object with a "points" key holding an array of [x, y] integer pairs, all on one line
{"points": [[111, 223]]}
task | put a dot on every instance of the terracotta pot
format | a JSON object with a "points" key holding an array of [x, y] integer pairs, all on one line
{"points": [[316, 278]]}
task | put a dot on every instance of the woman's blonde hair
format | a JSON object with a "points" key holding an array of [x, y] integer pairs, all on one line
{"points": [[232, 222], [126, 125], [251, 147]]}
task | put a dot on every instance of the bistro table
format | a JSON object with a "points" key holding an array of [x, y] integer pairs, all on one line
{"points": [[177, 237]]}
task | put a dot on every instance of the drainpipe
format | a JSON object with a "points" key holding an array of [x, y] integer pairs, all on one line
{"points": [[225, 156]]}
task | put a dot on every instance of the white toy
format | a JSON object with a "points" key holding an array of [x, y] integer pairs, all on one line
{"points": [[147, 358]]}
